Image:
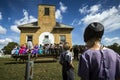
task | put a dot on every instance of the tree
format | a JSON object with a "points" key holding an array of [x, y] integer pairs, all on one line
{"points": [[115, 47], [7, 49]]}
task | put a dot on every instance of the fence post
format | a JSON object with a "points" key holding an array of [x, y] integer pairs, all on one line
{"points": [[29, 63], [29, 69]]}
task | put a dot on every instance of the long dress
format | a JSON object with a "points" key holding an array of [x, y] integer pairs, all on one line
{"points": [[22, 50], [35, 50]]}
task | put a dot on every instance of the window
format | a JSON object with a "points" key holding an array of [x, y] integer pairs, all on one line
{"points": [[46, 37], [29, 38], [62, 38], [46, 13]]}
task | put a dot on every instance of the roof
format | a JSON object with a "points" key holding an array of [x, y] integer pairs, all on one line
{"points": [[35, 25], [46, 5], [59, 25], [29, 25]]}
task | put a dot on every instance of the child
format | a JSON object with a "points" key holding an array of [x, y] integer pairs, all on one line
{"points": [[40, 51], [66, 62], [22, 49], [35, 50]]}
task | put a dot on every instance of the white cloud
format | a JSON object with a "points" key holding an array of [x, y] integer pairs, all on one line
{"points": [[83, 10], [26, 19], [94, 8], [110, 41], [58, 13], [32, 19], [15, 29], [62, 7], [110, 18], [2, 30], [0, 16], [75, 22], [4, 42]]}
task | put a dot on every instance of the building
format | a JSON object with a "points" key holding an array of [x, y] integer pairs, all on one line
{"points": [[46, 30]]}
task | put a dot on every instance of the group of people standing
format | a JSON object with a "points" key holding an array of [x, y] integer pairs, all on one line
{"points": [[38, 49], [22, 50]]}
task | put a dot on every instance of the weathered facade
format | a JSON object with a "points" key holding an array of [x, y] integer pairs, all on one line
{"points": [[46, 30]]}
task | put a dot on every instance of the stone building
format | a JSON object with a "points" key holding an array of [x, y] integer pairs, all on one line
{"points": [[46, 30]]}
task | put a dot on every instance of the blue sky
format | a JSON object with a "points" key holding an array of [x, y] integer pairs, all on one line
{"points": [[77, 13]]}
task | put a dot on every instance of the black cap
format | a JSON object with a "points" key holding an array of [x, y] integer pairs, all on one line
{"points": [[93, 30]]}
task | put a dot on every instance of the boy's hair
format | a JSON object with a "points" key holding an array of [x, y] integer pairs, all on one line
{"points": [[93, 30], [66, 46]]}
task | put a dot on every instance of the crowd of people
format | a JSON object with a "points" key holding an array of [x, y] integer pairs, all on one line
{"points": [[38, 49]]}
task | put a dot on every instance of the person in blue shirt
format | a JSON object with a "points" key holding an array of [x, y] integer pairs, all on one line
{"points": [[98, 62], [40, 50], [66, 62], [15, 50]]}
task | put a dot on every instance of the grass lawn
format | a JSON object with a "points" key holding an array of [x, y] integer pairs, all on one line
{"points": [[12, 70]]}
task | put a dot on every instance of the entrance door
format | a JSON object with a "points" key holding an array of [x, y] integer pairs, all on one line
{"points": [[46, 38]]}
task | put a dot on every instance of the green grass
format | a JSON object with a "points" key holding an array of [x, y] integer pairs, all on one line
{"points": [[11, 70]]}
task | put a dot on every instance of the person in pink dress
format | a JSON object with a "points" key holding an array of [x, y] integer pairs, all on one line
{"points": [[22, 49]]}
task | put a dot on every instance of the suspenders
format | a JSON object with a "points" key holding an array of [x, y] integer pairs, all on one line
{"points": [[104, 60]]}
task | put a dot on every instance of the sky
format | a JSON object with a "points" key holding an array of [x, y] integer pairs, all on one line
{"points": [[76, 13]]}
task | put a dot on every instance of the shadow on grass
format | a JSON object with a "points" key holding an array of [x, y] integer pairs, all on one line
{"points": [[23, 62]]}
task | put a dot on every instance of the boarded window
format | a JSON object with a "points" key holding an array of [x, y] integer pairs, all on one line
{"points": [[47, 12]]}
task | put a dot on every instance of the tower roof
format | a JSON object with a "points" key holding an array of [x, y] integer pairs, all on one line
{"points": [[46, 5]]}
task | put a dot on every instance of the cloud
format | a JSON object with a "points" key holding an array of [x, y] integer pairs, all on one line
{"points": [[83, 10], [62, 7], [75, 22], [0, 16], [110, 41], [60, 11], [15, 29], [58, 15], [32, 19], [110, 18], [2, 30], [4, 42], [93, 9], [26, 19]]}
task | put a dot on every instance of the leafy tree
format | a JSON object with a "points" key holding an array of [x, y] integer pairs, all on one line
{"points": [[7, 49], [115, 47]]}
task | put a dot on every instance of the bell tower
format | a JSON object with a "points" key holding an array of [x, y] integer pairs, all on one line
{"points": [[46, 17]]}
